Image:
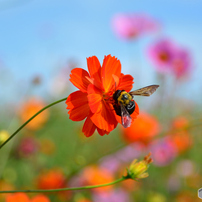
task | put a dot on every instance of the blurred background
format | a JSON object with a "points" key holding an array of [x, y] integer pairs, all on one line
{"points": [[157, 43]]}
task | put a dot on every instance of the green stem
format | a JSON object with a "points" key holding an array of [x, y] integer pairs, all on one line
{"points": [[65, 189], [23, 125]]}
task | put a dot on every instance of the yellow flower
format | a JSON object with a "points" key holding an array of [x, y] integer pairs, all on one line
{"points": [[137, 170], [4, 135], [156, 197]]}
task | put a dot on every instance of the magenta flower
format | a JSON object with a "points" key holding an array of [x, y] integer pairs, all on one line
{"points": [[130, 26], [130, 152], [168, 57], [182, 63], [111, 163], [27, 146], [163, 152], [117, 195], [162, 54]]}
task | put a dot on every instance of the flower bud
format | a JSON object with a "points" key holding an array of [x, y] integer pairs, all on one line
{"points": [[137, 170]]}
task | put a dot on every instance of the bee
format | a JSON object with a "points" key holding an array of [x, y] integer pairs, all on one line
{"points": [[124, 105]]}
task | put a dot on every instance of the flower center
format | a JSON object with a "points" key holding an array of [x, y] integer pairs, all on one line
{"points": [[164, 56], [108, 97]]}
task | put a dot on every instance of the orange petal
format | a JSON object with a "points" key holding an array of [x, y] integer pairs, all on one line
{"points": [[126, 83], [79, 78], [88, 127], [116, 80], [94, 69], [94, 98], [77, 102], [111, 66], [104, 118], [102, 132]]}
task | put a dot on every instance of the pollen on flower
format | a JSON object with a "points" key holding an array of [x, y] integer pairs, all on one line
{"points": [[94, 99]]}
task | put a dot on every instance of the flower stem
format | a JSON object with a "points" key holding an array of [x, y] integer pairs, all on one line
{"points": [[23, 125], [66, 189]]}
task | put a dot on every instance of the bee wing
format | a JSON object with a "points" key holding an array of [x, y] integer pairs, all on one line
{"points": [[146, 91], [125, 117]]}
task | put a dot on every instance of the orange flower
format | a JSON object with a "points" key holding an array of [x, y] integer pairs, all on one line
{"points": [[180, 137], [93, 101], [40, 198], [5, 186], [94, 175], [143, 129], [31, 107], [187, 196], [180, 123], [182, 141], [51, 179], [22, 197], [17, 197]]}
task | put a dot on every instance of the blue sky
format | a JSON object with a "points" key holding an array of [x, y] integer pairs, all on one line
{"points": [[37, 35]]}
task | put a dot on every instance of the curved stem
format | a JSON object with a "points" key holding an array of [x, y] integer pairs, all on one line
{"points": [[65, 189], [23, 125]]}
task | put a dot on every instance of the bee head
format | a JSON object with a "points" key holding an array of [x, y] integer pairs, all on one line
{"points": [[116, 95]]}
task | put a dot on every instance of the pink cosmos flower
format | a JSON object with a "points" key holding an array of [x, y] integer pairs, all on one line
{"points": [[168, 57], [162, 54], [116, 195], [163, 152], [27, 147], [182, 63], [130, 26]]}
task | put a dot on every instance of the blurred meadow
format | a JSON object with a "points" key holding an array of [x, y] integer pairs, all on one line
{"points": [[157, 42]]}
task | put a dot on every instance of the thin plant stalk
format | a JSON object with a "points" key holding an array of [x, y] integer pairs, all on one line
{"points": [[66, 189], [24, 124]]}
